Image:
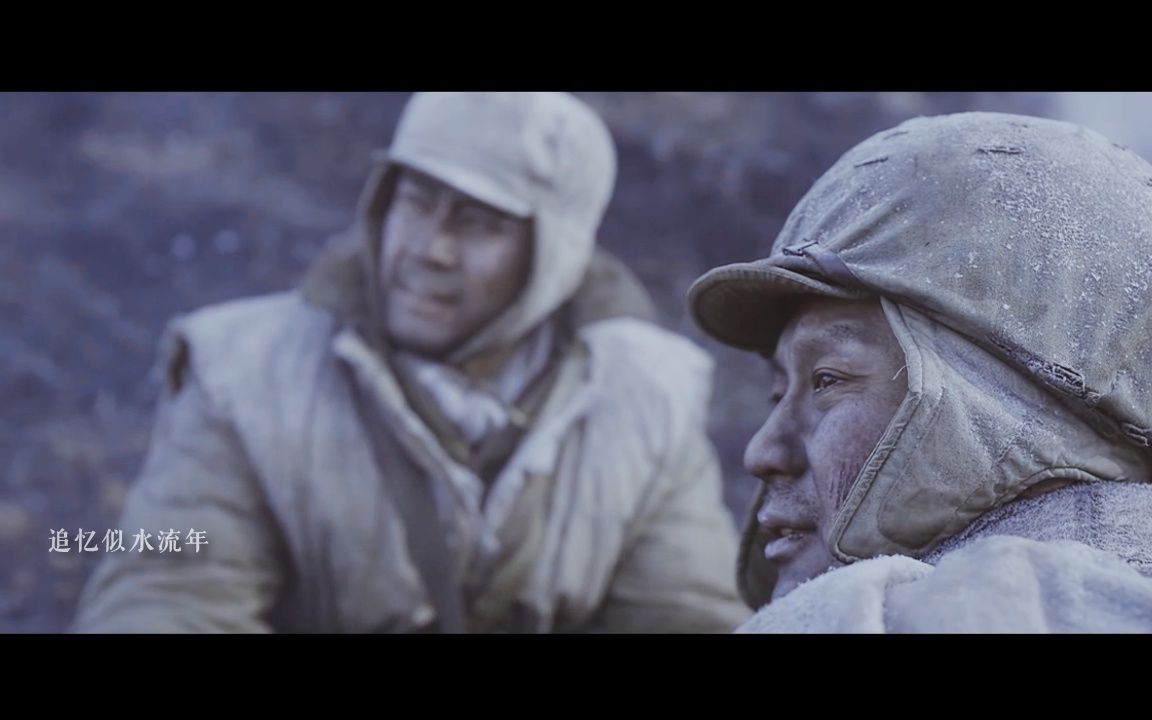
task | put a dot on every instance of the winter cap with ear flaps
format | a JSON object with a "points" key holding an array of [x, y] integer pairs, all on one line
{"points": [[1014, 257], [541, 155]]}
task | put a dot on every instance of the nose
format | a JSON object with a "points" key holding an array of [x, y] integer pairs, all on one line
{"points": [[776, 451], [442, 251], [439, 245]]}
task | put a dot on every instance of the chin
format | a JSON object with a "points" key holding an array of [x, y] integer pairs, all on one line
{"points": [[434, 348], [785, 583]]}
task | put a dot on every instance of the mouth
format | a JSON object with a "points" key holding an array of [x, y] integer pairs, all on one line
{"points": [[435, 301], [783, 542]]}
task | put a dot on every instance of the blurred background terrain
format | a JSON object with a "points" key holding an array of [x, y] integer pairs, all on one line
{"points": [[118, 211]]}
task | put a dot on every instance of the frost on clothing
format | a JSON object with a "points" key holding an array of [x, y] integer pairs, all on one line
{"points": [[1013, 256]]}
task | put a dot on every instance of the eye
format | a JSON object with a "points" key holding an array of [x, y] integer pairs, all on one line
{"points": [[415, 199], [475, 219], [821, 381]]}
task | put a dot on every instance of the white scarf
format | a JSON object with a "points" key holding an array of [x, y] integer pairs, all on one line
{"points": [[478, 409]]}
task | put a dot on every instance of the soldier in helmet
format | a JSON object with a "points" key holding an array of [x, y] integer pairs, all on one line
{"points": [[959, 314]]}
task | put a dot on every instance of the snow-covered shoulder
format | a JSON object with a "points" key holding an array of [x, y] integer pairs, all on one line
{"points": [[1011, 584], [995, 584], [850, 599], [235, 346]]}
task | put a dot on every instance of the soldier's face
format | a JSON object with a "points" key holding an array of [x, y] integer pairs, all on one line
{"points": [[838, 384], [449, 264]]}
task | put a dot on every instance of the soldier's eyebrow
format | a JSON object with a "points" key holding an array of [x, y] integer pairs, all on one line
{"points": [[469, 203], [841, 331], [827, 338]]}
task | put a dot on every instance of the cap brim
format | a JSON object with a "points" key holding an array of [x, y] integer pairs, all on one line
{"points": [[747, 305], [466, 181]]}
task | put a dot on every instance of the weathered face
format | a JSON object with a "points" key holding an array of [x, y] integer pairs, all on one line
{"points": [[449, 264], [838, 383]]}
